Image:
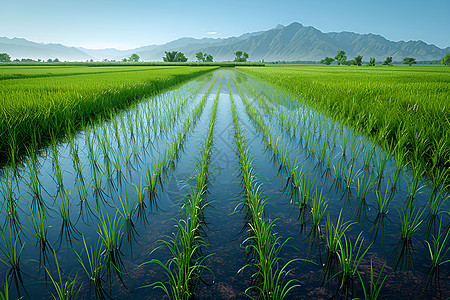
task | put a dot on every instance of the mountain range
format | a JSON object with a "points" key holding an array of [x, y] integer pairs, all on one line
{"points": [[294, 42]]}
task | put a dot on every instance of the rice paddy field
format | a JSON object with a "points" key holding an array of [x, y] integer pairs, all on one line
{"points": [[225, 183]]}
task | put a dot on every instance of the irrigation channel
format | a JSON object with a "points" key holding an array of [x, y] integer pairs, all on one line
{"points": [[225, 187]]}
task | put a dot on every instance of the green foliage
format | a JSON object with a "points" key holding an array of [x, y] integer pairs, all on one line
{"points": [[240, 56], [43, 106], [387, 61], [4, 57], [372, 62], [358, 60], [409, 61], [134, 58], [408, 120], [204, 57], [340, 57], [174, 56], [327, 61], [446, 60]]}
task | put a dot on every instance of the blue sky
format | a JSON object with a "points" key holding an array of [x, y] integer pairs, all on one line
{"points": [[133, 23]]}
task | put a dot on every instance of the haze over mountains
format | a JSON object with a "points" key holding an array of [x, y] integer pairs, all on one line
{"points": [[294, 42]]}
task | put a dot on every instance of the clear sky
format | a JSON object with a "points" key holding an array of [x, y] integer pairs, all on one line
{"points": [[134, 23]]}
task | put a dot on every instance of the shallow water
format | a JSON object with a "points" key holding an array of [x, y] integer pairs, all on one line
{"points": [[136, 145]]}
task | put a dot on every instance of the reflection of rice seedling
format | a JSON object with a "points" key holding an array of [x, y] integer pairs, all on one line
{"points": [[10, 202]]}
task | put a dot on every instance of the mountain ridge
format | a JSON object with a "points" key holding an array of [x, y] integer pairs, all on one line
{"points": [[293, 42]]}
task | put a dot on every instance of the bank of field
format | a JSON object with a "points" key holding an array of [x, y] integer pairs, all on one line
{"points": [[39, 102], [406, 109]]}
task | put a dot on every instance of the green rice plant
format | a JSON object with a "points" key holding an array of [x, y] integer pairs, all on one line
{"points": [[10, 201], [306, 192], [350, 256], [414, 186], [410, 221], [64, 290], [333, 236], [349, 177], [56, 164], [380, 165], [182, 270], [94, 267], [126, 210], [110, 231], [438, 253], [383, 202], [68, 231], [12, 256], [40, 231], [372, 292], [368, 154], [5, 294], [365, 184]]}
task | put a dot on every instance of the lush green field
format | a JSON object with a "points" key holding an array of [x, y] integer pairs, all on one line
{"points": [[52, 100], [406, 109]]}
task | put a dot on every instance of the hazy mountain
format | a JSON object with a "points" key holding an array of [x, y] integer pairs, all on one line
{"points": [[21, 48], [294, 42]]}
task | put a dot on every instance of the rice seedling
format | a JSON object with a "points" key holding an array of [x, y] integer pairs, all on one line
{"points": [[10, 201], [365, 184], [64, 290], [372, 292], [94, 267], [384, 201], [410, 221], [262, 243], [438, 253], [40, 232], [12, 256], [350, 256], [333, 236], [68, 230], [110, 231], [5, 294]]}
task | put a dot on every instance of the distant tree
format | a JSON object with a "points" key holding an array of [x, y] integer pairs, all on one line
{"points": [[372, 62], [199, 56], [409, 61], [340, 57], [204, 57], [124, 59], [358, 60], [4, 57], [91, 60], [446, 60], [208, 58], [134, 57], [174, 56], [49, 60], [240, 56], [327, 61], [387, 61], [56, 60]]}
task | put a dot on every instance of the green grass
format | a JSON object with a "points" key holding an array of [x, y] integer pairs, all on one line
{"points": [[417, 100], [36, 109]]}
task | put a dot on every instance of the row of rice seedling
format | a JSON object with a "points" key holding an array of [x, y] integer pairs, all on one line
{"points": [[263, 244], [416, 125], [115, 218], [35, 109], [184, 268], [347, 256]]}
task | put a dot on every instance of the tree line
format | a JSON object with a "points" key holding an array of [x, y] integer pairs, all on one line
{"points": [[341, 59]]}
